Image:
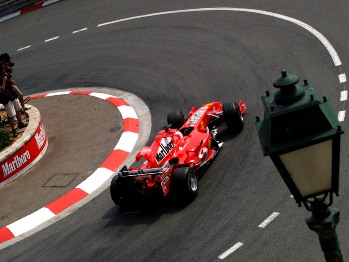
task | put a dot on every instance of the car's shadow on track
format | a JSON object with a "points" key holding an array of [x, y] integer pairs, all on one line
{"points": [[143, 212], [224, 134]]}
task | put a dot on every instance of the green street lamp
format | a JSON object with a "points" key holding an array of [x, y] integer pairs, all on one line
{"points": [[301, 134]]}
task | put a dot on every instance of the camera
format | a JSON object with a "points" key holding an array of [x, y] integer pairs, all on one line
{"points": [[8, 72], [8, 75]]}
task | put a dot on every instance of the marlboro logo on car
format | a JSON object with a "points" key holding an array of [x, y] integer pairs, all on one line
{"points": [[165, 148]]}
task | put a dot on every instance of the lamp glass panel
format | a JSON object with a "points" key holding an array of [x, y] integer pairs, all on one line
{"points": [[310, 167]]}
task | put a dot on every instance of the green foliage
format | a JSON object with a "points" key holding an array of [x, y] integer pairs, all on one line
{"points": [[4, 138]]}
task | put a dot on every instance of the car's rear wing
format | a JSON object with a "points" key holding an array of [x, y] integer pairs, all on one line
{"points": [[124, 172]]}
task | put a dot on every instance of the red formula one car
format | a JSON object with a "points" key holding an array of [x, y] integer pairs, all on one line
{"points": [[179, 154]]}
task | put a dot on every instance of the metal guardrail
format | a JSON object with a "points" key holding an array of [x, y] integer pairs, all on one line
{"points": [[10, 6]]}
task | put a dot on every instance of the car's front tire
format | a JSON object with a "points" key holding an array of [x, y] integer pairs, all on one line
{"points": [[233, 117]]}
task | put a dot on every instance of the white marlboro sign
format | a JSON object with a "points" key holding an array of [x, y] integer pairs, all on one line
{"points": [[25, 157]]}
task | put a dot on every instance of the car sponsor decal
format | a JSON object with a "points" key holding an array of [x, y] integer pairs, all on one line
{"points": [[165, 179], [197, 115], [203, 151], [166, 145], [202, 124], [165, 185], [165, 169]]}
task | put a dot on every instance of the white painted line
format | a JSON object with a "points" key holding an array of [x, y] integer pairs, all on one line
{"points": [[269, 219], [342, 78], [31, 221], [80, 30], [312, 30], [230, 250], [344, 95], [341, 116], [51, 39], [127, 141], [20, 49]]}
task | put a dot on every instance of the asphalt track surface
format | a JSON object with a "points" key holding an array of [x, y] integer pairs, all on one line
{"points": [[172, 62]]}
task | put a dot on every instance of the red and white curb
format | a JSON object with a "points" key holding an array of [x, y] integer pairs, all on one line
{"points": [[119, 154], [28, 9]]}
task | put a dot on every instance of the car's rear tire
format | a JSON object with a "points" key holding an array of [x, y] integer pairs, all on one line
{"points": [[184, 183], [115, 191], [118, 192], [175, 119], [233, 117]]}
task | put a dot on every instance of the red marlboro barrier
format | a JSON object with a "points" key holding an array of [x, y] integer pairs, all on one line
{"points": [[25, 157]]}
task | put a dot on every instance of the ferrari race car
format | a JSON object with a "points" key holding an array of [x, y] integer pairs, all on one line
{"points": [[179, 154]]}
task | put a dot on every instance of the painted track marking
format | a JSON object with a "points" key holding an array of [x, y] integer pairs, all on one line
{"points": [[268, 220], [80, 30], [342, 78], [26, 47], [341, 116], [230, 250], [344, 95], [51, 39]]}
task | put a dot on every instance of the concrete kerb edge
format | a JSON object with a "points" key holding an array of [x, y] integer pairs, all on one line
{"points": [[144, 118]]}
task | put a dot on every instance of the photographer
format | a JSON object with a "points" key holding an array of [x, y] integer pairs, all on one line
{"points": [[8, 98], [5, 60]]}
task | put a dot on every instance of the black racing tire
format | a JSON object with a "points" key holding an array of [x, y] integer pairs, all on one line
{"points": [[184, 183], [118, 192], [176, 119], [233, 117], [115, 191]]}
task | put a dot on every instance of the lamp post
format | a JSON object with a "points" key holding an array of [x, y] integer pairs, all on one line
{"points": [[301, 134]]}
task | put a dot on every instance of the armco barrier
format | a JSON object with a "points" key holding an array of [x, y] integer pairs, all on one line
{"points": [[10, 6], [11, 9], [25, 151]]}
